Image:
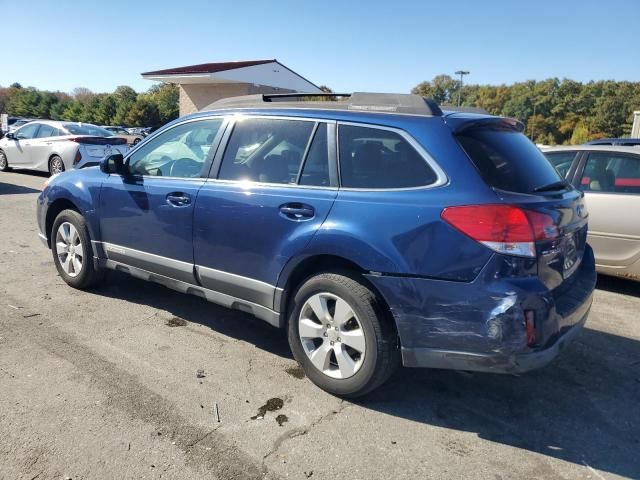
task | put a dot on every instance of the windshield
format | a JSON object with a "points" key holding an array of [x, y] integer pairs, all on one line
{"points": [[87, 129], [507, 160]]}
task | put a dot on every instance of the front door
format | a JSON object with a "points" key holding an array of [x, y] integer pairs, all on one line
{"points": [[274, 190], [18, 150], [146, 216], [611, 183]]}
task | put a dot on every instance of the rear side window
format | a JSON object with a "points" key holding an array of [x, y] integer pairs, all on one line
{"points": [[561, 160], [377, 158], [315, 171], [266, 150], [46, 131], [507, 160], [611, 172]]}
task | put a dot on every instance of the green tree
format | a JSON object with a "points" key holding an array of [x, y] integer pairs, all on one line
{"points": [[106, 111], [143, 113], [167, 98]]}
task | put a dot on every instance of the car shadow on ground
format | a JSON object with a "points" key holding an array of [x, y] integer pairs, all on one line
{"points": [[10, 189], [583, 408], [623, 286], [232, 323]]}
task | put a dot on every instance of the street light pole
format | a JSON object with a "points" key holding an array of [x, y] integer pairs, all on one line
{"points": [[462, 73]]}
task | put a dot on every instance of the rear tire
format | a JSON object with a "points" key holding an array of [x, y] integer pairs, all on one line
{"points": [[136, 141], [72, 251], [353, 348], [56, 165], [4, 163]]}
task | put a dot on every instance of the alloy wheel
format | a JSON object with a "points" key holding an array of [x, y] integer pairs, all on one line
{"points": [[3, 161], [57, 166], [69, 249], [331, 335]]}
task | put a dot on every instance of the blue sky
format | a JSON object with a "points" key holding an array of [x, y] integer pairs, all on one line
{"points": [[348, 45]]}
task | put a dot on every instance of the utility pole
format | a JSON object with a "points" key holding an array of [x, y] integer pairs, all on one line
{"points": [[462, 73]]}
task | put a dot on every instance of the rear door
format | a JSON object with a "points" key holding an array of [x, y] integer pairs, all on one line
{"points": [[611, 182], [273, 189], [41, 145], [146, 217]]}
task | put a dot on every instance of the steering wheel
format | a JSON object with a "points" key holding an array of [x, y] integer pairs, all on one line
{"points": [[185, 167]]}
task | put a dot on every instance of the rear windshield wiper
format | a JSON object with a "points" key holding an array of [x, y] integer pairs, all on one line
{"points": [[560, 184]]}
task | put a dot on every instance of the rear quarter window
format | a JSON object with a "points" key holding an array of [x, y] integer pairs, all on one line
{"points": [[375, 158], [507, 160]]}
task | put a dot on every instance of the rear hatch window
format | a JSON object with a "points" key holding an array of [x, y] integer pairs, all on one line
{"points": [[507, 160]]}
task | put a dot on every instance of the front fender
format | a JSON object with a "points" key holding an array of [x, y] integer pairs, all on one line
{"points": [[77, 188]]}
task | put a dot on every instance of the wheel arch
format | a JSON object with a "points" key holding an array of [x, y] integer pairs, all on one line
{"points": [[296, 272], [54, 210]]}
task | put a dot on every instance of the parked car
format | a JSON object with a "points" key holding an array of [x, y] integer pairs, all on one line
{"points": [[54, 147], [132, 139], [622, 142], [377, 231], [610, 179]]}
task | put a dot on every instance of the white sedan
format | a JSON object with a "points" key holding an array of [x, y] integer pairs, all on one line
{"points": [[54, 147]]}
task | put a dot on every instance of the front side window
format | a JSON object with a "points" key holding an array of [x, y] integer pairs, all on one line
{"points": [[611, 172], [562, 161], [179, 152], [266, 150], [27, 132], [377, 158]]}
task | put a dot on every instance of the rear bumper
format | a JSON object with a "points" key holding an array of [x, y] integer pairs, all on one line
{"points": [[480, 325], [493, 363]]}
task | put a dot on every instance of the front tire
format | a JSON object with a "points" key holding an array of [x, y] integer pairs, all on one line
{"points": [[340, 334], [72, 252], [4, 163], [56, 165]]}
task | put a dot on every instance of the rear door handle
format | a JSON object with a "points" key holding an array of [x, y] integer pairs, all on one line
{"points": [[297, 211], [178, 199]]}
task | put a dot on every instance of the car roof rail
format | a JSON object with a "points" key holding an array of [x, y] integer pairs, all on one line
{"points": [[360, 101]]}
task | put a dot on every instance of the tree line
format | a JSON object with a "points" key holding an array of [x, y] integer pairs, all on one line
{"points": [[124, 106], [554, 111]]}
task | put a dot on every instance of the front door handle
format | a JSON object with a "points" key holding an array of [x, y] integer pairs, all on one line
{"points": [[297, 211], [178, 199]]}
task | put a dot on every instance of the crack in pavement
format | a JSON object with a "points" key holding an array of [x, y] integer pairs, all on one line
{"points": [[300, 431]]}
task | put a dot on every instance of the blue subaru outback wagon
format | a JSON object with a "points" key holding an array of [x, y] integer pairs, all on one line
{"points": [[378, 230]]}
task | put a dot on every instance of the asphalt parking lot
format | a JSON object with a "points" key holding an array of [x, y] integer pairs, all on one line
{"points": [[124, 381]]}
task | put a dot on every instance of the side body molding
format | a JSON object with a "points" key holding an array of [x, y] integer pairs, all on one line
{"points": [[222, 288]]}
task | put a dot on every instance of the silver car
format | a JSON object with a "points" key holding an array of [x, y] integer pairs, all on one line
{"points": [[54, 147], [609, 176]]}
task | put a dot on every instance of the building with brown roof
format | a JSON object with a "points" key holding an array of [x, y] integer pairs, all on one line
{"points": [[203, 84]]}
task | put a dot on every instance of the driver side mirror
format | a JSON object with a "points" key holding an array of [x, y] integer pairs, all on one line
{"points": [[114, 164], [10, 136]]}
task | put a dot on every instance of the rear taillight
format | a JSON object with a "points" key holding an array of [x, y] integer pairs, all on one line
{"points": [[78, 157], [506, 229]]}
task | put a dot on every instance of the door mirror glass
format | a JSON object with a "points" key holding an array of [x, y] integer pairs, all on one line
{"points": [[114, 164]]}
